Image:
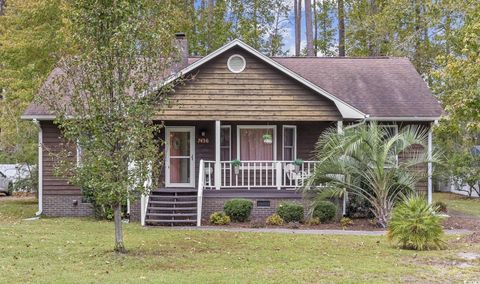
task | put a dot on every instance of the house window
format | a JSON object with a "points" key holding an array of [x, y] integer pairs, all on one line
{"points": [[225, 143], [236, 63], [289, 138], [252, 145]]}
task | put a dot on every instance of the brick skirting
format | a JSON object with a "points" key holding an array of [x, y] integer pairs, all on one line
{"points": [[213, 204], [63, 206]]}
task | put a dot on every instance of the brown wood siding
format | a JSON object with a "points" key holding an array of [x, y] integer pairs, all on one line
{"points": [[259, 93], [53, 144]]}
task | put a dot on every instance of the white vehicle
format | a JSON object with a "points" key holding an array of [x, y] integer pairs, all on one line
{"points": [[6, 185]]}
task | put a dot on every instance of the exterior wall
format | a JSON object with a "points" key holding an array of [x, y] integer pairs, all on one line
{"points": [[64, 206], [59, 197], [135, 214], [259, 93]]}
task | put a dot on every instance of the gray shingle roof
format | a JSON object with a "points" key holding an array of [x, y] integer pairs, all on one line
{"points": [[380, 87]]}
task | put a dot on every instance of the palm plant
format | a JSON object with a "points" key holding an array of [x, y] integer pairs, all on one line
{"points": [[415, 225], [364, 161]]}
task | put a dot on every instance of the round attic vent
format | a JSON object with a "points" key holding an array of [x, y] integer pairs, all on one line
{"points": [[236, 63]]}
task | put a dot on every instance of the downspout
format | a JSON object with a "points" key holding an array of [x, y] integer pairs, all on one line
{"points": [[40, 168]]}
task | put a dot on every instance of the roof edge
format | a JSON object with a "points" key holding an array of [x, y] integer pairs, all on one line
{"points": [[404, 118], [37, 117]]}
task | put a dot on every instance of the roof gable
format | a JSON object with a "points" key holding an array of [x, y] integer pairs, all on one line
{"points": [[259, 93], [346, 110]]}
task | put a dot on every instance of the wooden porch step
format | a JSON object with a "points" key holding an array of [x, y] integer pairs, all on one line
{"points": [[172, 202], [172, 208], [172, 214], [173, 197], [170, 221]]}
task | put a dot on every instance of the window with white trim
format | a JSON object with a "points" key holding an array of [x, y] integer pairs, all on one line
{"points": [[289, 142], [225, 143]]}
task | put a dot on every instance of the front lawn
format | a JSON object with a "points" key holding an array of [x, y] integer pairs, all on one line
{"points": [[79, 250], [459, 203]]}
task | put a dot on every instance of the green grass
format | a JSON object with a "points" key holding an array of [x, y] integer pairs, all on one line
{"points": [[67, 250], [458, 203]]}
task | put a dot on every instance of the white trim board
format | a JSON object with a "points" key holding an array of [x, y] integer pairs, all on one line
{"points": [[346, 110]]}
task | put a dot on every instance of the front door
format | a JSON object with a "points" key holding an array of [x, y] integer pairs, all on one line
{"points": [[180, 156]]}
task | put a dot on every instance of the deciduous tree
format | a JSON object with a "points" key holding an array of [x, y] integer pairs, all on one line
{"points": [[105, 97]]}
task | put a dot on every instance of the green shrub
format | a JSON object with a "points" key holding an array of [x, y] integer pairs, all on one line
{"points": [[440, 206], [325, 211], [275, 220], [219, 218], [290, 212], [238, 209], [414, 225], [345, 221]]}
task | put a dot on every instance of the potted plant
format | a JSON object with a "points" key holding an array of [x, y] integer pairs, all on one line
{"points": [[236, 166], [267, 138], [297, 163]]}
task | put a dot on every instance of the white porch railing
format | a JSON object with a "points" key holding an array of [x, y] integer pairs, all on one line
{"points": [[257, 174]]}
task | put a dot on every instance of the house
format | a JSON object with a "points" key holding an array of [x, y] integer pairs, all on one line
{"points": [[265, 112]]}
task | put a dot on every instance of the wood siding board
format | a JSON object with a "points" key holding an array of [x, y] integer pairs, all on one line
{"points": [[260, 92]]}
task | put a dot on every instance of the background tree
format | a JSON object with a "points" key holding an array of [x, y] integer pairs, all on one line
{"points": [[459, 91], [31, 41], [341, 27], [309, 28], [104, 97], [324, 32], [297, 5]]}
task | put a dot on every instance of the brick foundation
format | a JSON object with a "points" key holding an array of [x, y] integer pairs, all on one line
{"points": [[213, 204], [63, 206], [135, 214]]}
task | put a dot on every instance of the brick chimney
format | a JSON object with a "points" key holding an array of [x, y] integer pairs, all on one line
{"points": [[182, 45]]}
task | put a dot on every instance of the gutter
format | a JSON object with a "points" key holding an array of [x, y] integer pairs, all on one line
{"points": [[40, 168]]}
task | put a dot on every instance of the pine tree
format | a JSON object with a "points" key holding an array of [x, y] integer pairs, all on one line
{"points": [[309, 28]]}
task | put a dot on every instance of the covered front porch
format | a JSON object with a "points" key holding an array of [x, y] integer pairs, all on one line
{"points": [[222, 155], [236, 159]]}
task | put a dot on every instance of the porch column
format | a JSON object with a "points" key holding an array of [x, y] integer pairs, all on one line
{"points": [[217, 156], [430, 168], [344, 201]]}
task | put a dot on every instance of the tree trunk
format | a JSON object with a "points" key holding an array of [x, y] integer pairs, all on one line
{"points": [[298, 25], [315, 28], [119, 246], [308, 27], [3, 3], [341, 28]]}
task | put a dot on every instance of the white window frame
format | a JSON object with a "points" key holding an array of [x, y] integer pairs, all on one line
{"points": [[229, 142], [274, 137], [244, 63], [294, 127], [79, 154]]}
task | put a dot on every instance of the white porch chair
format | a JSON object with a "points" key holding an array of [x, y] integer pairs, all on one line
{"points": [[297, 178]]}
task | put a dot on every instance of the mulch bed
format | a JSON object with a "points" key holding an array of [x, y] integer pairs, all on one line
{"points": [[358, 225], [461, 221], [473, 238]]}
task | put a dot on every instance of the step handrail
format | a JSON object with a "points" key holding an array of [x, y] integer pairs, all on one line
{"points": [[201, 178]]}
